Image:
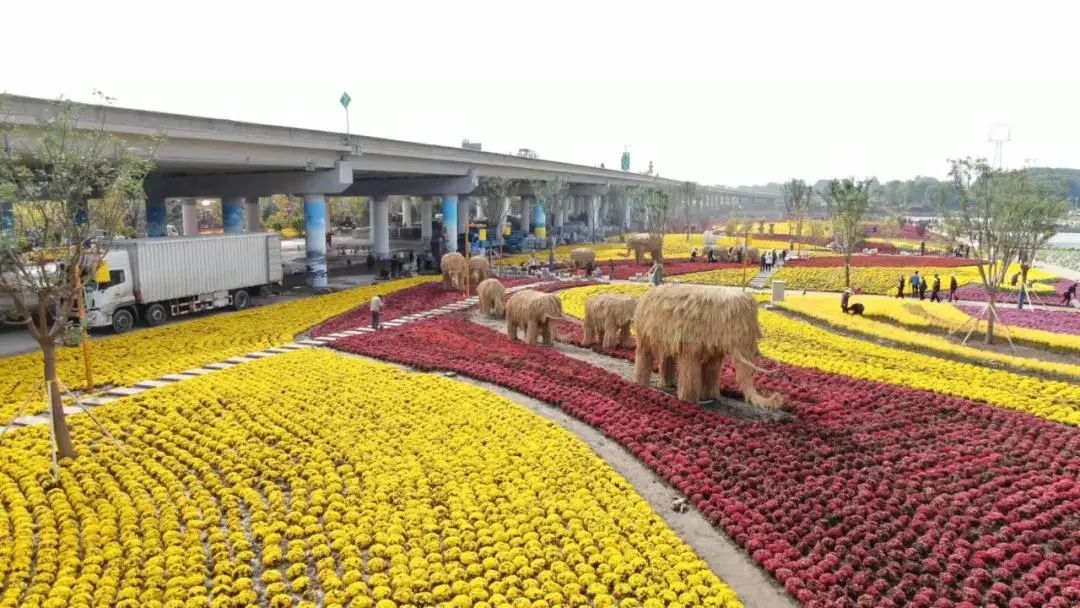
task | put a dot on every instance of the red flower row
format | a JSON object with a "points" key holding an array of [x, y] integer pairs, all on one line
{"points": [[888, 261], [874, 495], [399, 304]]}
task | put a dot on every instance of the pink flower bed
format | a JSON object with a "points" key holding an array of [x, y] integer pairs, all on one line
{"points": [[887, 261], [1057, 321], [400, 304], [874, 495]]}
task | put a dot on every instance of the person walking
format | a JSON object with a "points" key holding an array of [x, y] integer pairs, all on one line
{"points": [[934, 297], [900, 288], [953, 286], [914, 282], [922, 288], [376, 309]]}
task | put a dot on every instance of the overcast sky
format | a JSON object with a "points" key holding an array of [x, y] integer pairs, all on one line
{"points": [[719, 92]]}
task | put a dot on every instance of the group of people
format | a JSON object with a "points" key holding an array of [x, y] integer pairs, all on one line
{"points": [[771, 259], [918, 286]]}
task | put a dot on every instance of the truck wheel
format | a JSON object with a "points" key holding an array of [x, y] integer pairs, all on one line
{"points": [[240, 299], [155, 315], [122, 320]]}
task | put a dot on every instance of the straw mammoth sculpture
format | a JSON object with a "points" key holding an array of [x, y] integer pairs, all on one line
{"points": [[582, 257], [453, 271], [537, 312], [479, 270], [690, 328], [607, 320], [490, 294], [643, 243]]}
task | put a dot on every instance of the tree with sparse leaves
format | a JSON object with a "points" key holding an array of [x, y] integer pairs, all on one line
{"points": [[1004, 217], [549, 196], [77, 184], [846, 202], [496, 194], [797, 204]]}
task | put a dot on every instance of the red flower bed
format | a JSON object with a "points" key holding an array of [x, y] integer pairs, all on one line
{"points": [[887, 261], [875, 495], [400, 304]]}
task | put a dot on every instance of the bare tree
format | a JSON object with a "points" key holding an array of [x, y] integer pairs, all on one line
{"points": [[1003, 217], [496, 194], [549, 196], [73, 185], [846, 202], [797, 204]]}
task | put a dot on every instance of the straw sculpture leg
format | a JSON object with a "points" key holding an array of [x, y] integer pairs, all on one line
{"points": [[511, 328], [711, 371], [548, 332], [689, 376], [667, 370], [532, 330], [643, 361]]}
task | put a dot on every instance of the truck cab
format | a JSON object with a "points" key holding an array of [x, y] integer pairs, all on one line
{"points": [[105, 299]]}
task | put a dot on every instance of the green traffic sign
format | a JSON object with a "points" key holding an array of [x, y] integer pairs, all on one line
{"points": [[625, 161], [345, 99]]}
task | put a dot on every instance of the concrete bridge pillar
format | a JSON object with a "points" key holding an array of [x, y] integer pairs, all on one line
{"points": [[462, 216], [425, 219], [252, 221], [449, 221], [406, 212], [232, 214], [315, 238], [156, 217], [381, 236], [526, 212], [190, 215], [592, 217]]}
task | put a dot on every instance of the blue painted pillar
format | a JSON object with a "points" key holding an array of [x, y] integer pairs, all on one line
{"points": [[7, 219], [539, 221], [232, 214], [450, 221], [315, 238], [156, 220]]}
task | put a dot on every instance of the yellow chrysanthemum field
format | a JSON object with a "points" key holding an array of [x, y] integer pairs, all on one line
{"points": [[316, 479]]}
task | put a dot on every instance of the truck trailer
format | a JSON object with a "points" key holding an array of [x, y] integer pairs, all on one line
{"points": [[151, 279]]}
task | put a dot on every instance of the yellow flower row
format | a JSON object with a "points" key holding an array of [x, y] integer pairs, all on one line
{"points": [[313, 478], [944, 316], [827, 308], [676, 246], [734, 277], [798, 343], [883, 281], [172, 348]]}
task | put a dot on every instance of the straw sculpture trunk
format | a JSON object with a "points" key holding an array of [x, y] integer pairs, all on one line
{"points": [[453, 271], [479, 270], [490, 293], [607, 320], [690, 328], [537, 312], [582, 257], [643, 243]]}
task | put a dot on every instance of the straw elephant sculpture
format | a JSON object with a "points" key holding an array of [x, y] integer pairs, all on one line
{"points": [[537, 312], [689, 329], [644, 243], [607, 320], [479, 270], [453, 271], [490, 295], [582, 257]]}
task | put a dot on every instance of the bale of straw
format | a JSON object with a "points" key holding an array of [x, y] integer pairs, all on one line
{"points": [[479, 270], [608, 318], [453, 271], [490, 293], [690, 329], [536, 311], [643, 243], [582, 257]]}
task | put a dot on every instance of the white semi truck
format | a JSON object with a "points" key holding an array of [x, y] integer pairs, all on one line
{"points": [[153, 279]]}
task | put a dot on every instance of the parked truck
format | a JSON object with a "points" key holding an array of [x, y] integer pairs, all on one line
{"points": [[150, 280]]}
